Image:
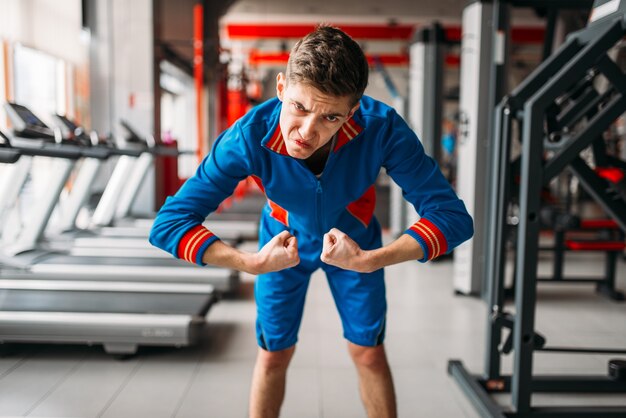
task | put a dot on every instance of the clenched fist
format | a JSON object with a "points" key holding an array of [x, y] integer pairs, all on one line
{"points": [[280, 253], [341, 251]]}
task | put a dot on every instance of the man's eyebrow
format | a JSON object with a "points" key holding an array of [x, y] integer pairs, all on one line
{"points": [[304, 109], [300, 104], [335, 115]]}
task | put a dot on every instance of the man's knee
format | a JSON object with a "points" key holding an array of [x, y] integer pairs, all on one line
{"points": [[373, 358], [275, 360]]}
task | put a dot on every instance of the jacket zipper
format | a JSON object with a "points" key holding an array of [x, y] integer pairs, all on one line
{"points": [[318, 205], [319, 194], [319, 219]]}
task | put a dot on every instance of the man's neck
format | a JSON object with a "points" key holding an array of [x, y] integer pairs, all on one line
{"points": [[317, 161]]}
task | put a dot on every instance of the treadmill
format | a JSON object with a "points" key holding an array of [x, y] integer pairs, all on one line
{"points": [[28, 259], [119, 195], [120, 216], [120, 315]]}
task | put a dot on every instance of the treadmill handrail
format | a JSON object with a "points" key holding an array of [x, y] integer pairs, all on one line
{"points": [[154, 273], [97, 152], [44, 148], [95, 318], [8, 155], [40, 148], [104, 286], [129, 152]]}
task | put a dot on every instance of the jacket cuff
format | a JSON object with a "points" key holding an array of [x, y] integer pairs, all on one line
{"points": [[430, 238], [193, 244]]}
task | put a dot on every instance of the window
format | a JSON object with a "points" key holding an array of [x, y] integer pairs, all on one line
{"points": [[39, 81]]}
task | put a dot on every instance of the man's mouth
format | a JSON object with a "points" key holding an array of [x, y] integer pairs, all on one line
{"points": [[302, 143]]}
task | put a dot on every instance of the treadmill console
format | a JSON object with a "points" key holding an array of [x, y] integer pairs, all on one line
{"points": [[26, 124], [72, 131], [132, 135], [66, 123]]}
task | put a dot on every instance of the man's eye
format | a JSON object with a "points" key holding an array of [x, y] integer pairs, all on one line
{"points": [[332, 118], [298, 107]]}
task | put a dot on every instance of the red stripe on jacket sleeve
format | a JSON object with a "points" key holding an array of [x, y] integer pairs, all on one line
{"points": [[433, 238], [191, 242]]}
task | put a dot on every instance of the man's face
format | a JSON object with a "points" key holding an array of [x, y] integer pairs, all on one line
{"points": [[309, 118]]}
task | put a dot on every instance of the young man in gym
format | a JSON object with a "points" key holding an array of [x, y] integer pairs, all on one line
{"points": [[316, 151]]}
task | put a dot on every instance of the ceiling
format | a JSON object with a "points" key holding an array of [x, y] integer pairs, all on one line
{"points": [[408, 11], [175, 18]]}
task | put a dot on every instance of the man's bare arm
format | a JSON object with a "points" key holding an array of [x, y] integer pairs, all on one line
{"points": [[341, 251], [279, 253]]}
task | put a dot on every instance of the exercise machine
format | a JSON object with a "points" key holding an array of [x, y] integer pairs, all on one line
{"points": [[529, 105], [120, 314], [111, 218], [484, 63]]}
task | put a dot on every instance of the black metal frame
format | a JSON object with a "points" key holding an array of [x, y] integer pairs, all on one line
{"points": [[433, 38], [583, 102], [528, 104]]}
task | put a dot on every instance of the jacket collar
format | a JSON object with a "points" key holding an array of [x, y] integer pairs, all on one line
{"points": [[348, 131], [276, 142]]}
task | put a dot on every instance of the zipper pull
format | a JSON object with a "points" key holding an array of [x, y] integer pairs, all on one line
{"points": [[319, 187]]}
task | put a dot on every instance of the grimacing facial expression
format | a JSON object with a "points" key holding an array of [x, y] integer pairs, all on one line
{"points": [[309, 118]]}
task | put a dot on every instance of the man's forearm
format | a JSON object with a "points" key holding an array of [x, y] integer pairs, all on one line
{"points": [[223, 255], [404, 248], [279, 253]]}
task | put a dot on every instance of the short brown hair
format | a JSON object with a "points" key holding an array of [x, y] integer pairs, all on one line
{"points": [[331, 61]]}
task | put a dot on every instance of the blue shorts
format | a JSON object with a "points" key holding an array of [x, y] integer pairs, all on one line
{"points": [[359, 297]]}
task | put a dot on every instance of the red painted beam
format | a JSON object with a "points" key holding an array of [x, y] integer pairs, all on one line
{"points": [[519, 35], [282, 31], [198, 75], [267, 58], [280, 58], [388, 59], [528, 35], [452, 60]]}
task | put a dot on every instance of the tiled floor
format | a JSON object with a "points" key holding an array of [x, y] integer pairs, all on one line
{"points": [[427, 325]]}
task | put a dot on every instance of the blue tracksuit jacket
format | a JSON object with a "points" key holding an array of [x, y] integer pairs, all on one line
{"points": [[343, 197]]}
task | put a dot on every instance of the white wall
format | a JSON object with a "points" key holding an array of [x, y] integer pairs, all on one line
{"points": [[56, 29], [121, 65], [53, 28], [50, 26], [13, 20], [121, 74], [119, 58], [133, 52]]}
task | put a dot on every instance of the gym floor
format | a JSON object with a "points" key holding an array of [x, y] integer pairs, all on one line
{"points": [[427, 325]]}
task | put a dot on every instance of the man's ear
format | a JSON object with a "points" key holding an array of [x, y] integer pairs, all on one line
{"points": [[281, 85], [354, 109]]}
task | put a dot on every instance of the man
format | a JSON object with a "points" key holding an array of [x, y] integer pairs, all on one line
{"points": [[316, 151]]}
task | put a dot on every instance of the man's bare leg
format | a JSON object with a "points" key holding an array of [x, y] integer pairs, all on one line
{"points": [[375, 382], [268, 382]]}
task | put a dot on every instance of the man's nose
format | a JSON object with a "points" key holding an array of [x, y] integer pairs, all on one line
{"points": [[308, 128]]}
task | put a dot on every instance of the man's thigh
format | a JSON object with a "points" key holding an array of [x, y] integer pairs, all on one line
{"points": [[361, 301]]}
